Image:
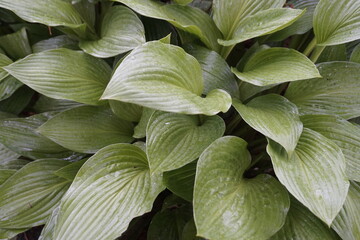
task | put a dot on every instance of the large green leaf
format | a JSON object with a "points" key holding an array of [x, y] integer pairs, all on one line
{"points": [[277, 65], [181, 181], [314, 173], [228, 206], [344, 134], [110, 189], [16, 45], [28, 197], [64, 74], [48, 230], [186, 18], [275, 117], [334, 94], [5, 174], [127, 111], [174, 140], [121, 31], [62, 41], [4, 61], [216, 72], [86, 129], [337, 22], [262, 23], [301, 224], [163, 77], [8, 86], [347, 223], [20, 136]]}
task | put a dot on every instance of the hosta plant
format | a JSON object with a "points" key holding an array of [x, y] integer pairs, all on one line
{"points": [[180, 120]]}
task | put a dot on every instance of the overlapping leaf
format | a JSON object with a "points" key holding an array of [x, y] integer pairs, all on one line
{"points": [[111, 188], [314, 173], [275, 117], [64, 74], [86, 129], [164, 77], [228, 206], [4, 61], [62, 41], [16, 45], [174, 140], [355, 55], [277, 65], [8, 86], [17, 102], [334, 94], [127, 111]]}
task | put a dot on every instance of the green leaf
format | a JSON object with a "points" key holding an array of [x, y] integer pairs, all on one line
{"points": [[262, 23], [140, 129], [344, 134], [174, 140], [86, 129], [183, 2], [16, 45], [186, 18], [8, 86], [48, 230], [277, 65], [127, 111], [228, 206], [336, 23], [46, 104], [10, 233], [181, 181], [189, 231], [4, 61], [14, 164], [173, 84], [228, 15], [302, 224], [347, 223], [115, 184], [69, 171], [61, 41], [5, 174], [17, 101], [216, 72], [20, 136], [355, 55], [28, 197], [6, 154], [334, 94], [63, 74], [333, 53], [275, 117], [314, 173], [121, 31]]}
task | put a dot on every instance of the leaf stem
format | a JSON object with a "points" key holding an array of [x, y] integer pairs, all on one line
{"points": [[316, 53], [310, 47]]}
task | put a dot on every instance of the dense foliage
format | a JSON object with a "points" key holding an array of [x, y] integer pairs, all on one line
{"points": [[166, 120]]}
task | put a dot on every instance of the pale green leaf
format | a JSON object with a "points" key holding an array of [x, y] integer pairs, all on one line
{"points": [[314, 173], [8, 86], [344, 134], [46, 104], [347, 223], [186, 18], [20, 136], [28, 197], [301, 224], [140, 129], [69, 171], [4, 61], [121, 31], [277, 65], [87, 129], [355, 55], [5, 174], [183, 2], [16, 45], [111, 188], [275, 117], [174, 140], [63, 74], [48, 230], [181, 181], [334, 94], [164, 77], [61, 41], [262, 23], [216, 72], [336, 22], [227, 206], [6, 154], [127, 111]]}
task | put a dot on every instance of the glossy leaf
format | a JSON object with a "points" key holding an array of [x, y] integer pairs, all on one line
{"points": [[334, 94], [8, 86], [6, 154], [28, 197], [277, 65], [174, 140], [16, 45], [344, 134], [275, 117], [121, 31], [62, 41], [228, 206], [173, 84], [4, 61], [262, 23], [216, 72], [186, 18], [114, 184], [314, 173], [347, 223], [302, 224], [336, 23], [87, 129], [63, 74], [127, 111]]}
